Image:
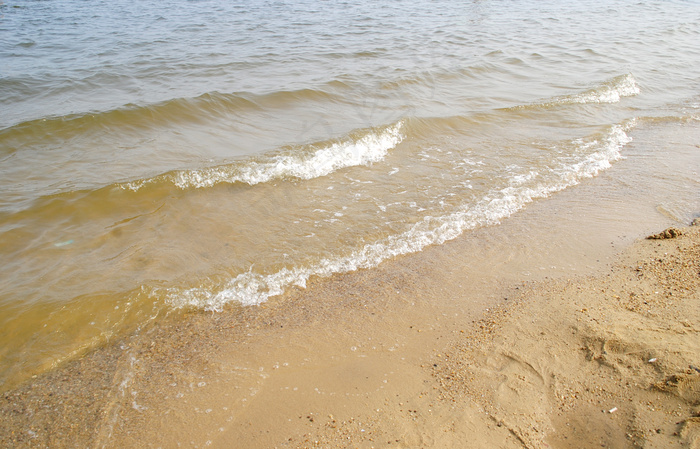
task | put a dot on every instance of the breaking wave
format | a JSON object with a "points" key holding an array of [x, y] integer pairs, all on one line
{"points": [[311, 161], [611, 91], [252, 288]]}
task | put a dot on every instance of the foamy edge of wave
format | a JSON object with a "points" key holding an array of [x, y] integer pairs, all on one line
{"points": [[373, 146], [611, 92], [252, 288]]}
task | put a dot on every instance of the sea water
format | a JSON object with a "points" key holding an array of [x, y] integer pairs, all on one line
{"points": [[201, 154]]}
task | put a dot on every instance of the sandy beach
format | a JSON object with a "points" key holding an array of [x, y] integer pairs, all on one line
{"points": [[349, 224], [610, 359]]}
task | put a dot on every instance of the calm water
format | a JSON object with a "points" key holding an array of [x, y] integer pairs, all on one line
{"points": [[157, 155]]}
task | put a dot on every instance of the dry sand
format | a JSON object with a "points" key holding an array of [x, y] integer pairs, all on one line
{"points": [[611, 360]]}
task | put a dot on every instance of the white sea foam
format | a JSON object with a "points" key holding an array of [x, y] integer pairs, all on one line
{"points": [[371, 147], [610, 92], [251, 288]]}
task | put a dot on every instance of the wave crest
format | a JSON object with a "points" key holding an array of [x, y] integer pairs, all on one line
{"points": [[609, 92], [309, 162], [252, 288]]}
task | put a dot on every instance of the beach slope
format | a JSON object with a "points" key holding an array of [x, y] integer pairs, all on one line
{"points": [[606, 360]]}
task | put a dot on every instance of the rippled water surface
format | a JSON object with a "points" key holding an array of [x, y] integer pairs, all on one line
{"points": [[156, 155]]}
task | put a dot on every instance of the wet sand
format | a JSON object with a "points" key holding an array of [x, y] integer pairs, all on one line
{"points": [[606, 359], [524, 334]]}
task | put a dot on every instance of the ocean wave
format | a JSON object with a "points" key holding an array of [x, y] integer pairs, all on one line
{"points": [[175, 111], [664, 119], [312, 161], [252, 288], [611, 91]]}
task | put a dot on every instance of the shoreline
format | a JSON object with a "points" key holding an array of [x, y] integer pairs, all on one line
{"points": [[597, 360], [348, 361], [181, 234], [605, 360]]}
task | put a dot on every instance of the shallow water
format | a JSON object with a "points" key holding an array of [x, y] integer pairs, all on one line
{"points": [[162, 155]]}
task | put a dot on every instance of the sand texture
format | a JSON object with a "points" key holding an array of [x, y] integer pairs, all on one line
{"points": [[609, 360], [603, 362]]}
